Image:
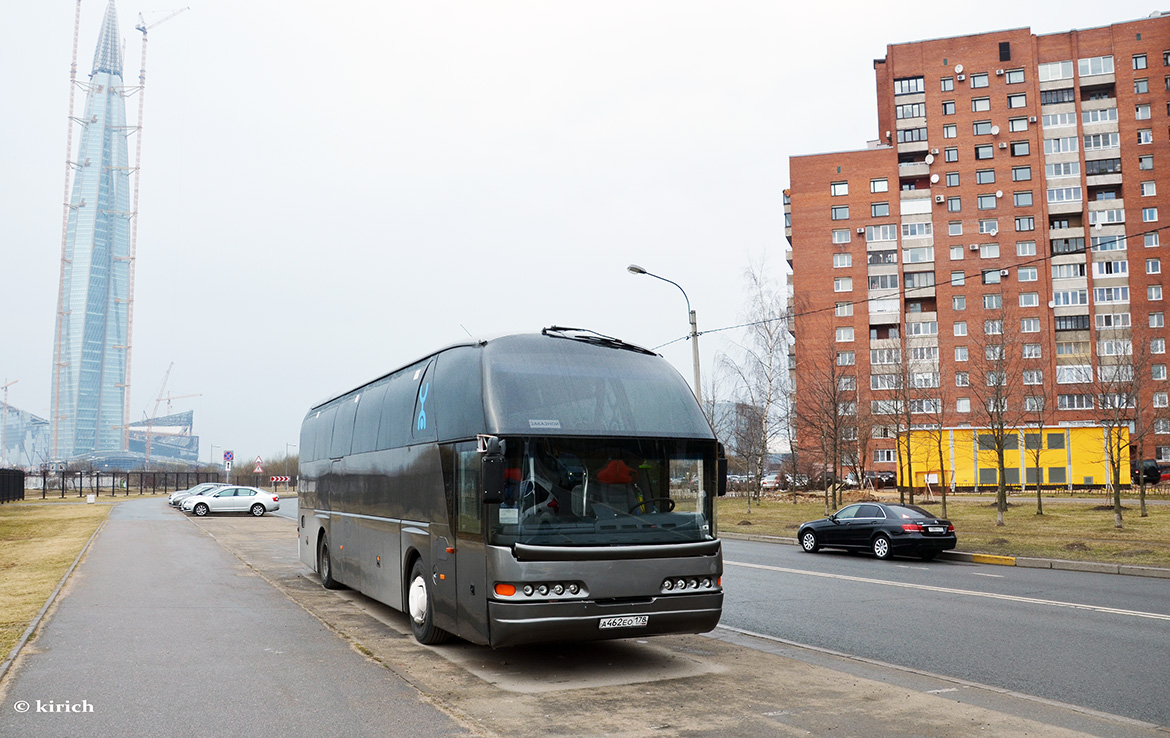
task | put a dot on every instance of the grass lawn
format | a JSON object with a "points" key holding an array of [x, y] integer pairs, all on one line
{"points": [[37, 545], [1079, 531]]}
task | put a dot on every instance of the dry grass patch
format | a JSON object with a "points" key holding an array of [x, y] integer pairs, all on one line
{"points": [[37, 545], [1067, 530]]}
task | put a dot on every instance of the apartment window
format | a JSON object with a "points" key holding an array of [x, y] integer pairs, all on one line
{"points": [[1158, 372], [879, 185], [1032, 351], [1149, 215], [984, 176], [918, 255], [883, 281], [912, 110], [1151, 240], [1157, 320], [1114, 321], [886, 232], [980, 105], [843, 309], [950, 130], [1033, 376], [846, 358], [1068, 271], [986, 202], [952, 155], [909, 135], [882, 257], [1029, 299], [844, 335], [1025, 223], [1074, 402], [1161, 426], [992, 302], [1014, 76], [1145, 136], [1149, 189], [1111, 294], [955, 228], [958, 279], [1062, 145], [1019, 148], [1103, 115], [1055, 70], [1098, 166], [948, 107], [1154, 292], [961, 328], [960, 353], [954, 204], [1141, 86], [1098, 141], [842, 235], [989, 251], [957, 253], [962, 379], [963, 405], [879, 209], [1157, 345], [843, 284], [948, 84], [986, 151], [1029, 325], [958, 302], [915, 280], [1139, 61], [1017, 125], [1019, 100], [842, 260], [1025, 248], [989, 225], [1021, 174], [952, 179], [1070, 297], [1142, 112], [1146, 162], [1022, 199], [1055, 97], [1161, 399], [841, 212], [1095, 65], [837, 189], [979, 80], [909, 85], [1153, 266], [993, 327]]}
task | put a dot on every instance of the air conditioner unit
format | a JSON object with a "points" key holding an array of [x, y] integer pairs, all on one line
{"points": [[962, 77], [974, 247], [999, 73], [1031, 119], [939, 198], [1003, 144], [992, 231], [861, 230], [934, 151], [1004, 272]]}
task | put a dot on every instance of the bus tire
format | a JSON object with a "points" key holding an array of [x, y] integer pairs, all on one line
{"points": [[325, 564], [419, 610]]}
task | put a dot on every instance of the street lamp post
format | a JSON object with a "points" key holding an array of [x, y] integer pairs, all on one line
{"points": [[635, 269]]}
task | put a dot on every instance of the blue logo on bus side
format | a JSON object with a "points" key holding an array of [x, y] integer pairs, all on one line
{"points": [[422, 407]]}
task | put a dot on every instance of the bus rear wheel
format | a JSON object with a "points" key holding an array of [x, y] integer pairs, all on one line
{"points": [[325, 564], [418, 608]]}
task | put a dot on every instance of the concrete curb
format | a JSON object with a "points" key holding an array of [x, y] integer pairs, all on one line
{"points": [[1026, 562]]}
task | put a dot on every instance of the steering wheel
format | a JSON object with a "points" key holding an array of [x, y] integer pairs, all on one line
{"points": [[669, 503]]}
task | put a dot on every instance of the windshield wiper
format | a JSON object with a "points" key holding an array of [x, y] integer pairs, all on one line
{"points": [[587, 336]]}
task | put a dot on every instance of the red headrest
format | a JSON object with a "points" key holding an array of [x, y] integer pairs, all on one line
{"points": [[616, 472]]}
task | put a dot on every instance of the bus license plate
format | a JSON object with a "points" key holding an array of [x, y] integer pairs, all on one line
{"points": [[936, 529], [632, 621]]}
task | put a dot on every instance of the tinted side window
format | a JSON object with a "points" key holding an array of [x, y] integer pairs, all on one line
{"points": [[425, 415], [324, 432], [870, 511], [458, 372], [343, 427], [848, 512], [397, 405], [369, 413], [308, 438]]}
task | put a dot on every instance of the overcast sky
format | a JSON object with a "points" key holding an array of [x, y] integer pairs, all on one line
{"points": [[330, 190]]}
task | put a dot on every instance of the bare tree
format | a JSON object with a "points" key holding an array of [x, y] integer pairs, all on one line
{"points": [[823, 407], [996, 375], [1038, 406]]}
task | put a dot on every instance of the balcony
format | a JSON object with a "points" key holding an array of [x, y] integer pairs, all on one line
{"points": [[913, 169]]}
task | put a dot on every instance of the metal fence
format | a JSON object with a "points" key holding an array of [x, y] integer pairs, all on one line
{"points": [[112, 484], [11, 485]]}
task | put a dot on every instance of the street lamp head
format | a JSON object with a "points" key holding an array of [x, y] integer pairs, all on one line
{"points": [[635, 269]]}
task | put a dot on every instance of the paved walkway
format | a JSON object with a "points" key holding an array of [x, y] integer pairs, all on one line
{"points": [[161, 632]]}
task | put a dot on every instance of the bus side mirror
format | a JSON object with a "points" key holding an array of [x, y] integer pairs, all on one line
{"points": [[721, 475], [491, 472]]}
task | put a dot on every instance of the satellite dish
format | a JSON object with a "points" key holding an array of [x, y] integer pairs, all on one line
{"points": [[999, 193], [995, 130], [934, 178], [929, 159], [958, 69]]}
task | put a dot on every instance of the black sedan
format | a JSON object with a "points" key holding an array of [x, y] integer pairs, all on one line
{"points": [[884, 529]]}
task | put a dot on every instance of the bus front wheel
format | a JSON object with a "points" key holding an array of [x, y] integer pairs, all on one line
{"points": [[325, 565], [418, 608]]}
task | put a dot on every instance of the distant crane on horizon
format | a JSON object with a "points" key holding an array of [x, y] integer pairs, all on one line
{"points": [[4, 427]]}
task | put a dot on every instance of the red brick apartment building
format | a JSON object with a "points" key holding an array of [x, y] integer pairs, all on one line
{"points": [[1015, 201]]}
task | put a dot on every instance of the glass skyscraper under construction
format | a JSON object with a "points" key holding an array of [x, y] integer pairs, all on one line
{"points": [[90, 354]]}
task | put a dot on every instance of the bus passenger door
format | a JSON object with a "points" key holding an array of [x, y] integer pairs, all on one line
{"points": [[470, 556]]}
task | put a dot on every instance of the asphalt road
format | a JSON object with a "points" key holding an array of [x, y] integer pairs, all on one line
{"points": [[1093, 640], [162, 632]]}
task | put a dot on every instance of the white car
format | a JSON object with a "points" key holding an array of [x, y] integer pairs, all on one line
{"points": [[232, 499], [176, 498]]}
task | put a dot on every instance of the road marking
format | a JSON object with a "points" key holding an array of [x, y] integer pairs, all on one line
{"points": [[996, 576], [951, 590], [942, 691]]}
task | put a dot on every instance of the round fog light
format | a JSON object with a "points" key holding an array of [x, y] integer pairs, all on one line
{"points": [[528, 589], [668, 585], [542, 589], [681, 584], [574, 589], [559, 589]]}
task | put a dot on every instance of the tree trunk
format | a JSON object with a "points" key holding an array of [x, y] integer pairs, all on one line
{"points": [[1000, 493], [827, 510], [1117, 506], [1142, 498]]}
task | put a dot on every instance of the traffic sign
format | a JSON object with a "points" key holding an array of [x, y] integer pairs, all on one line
{"points": [[228, 457], [274, 480], [258, 470], [259, 461]]}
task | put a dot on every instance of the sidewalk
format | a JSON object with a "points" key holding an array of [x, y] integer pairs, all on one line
{"points": [[160, 631]]}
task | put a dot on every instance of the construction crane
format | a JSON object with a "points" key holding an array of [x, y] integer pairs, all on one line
{"points": [[134, 226], [170, 397], [150, 420], [4, 427]]}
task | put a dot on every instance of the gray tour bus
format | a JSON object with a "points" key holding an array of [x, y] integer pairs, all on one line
{"points": [[540, 487]]}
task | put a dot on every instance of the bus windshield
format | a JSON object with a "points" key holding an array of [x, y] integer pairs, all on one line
{"points": [[605, 492]]}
